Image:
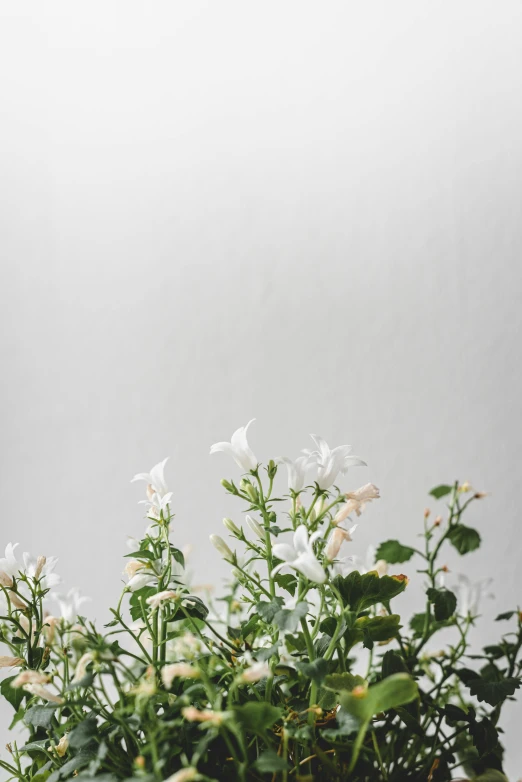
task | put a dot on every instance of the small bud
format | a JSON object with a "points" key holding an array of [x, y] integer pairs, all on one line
{"points": [[235, 606], [220, 545], [231, 527], [445, 569], [228, 486], [40, 563], [9, 748], [140, 762], [271, 469], [437, 521], [427, 512], [465, 487], [479, 495]]}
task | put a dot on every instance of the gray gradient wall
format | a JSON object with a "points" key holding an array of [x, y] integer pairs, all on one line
{"points": [[300, 211]]}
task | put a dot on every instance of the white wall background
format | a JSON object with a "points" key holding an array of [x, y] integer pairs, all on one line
{"points": [[305, 212]]}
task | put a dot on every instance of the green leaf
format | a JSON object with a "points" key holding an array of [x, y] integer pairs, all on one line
{"points": [[444, 602], [394, 552], [270, 762], [410, 721], [257, 716], [392, 662], [14, 695], [316, 670], [372, 629], [83, 758], [441, 491], [494, 692], [491, 775], [83, 734], [286, 581], [360, 592], [142, 554], [267, 611], [505, 615], [343, 681], [40, 716], [484, 734], [454, 714], [177, 555], [389, 693], [288, 620], [464, 538]]}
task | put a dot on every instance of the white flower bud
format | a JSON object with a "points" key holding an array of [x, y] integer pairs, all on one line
{"points": [[256, 527], [231, 527], [220, 545]]}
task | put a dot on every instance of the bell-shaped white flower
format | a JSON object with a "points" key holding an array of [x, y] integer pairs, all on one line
{"points": [[238, 449], [300, 556], [70, 604], [220, 546], [158, 493], [470, 594], [42, 568], [296, 471], [331, 462], [9, 564]]}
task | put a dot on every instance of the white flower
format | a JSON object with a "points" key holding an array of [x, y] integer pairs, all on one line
{"points": [[186, 645], [336, 540], [10, 662], [42, 568], [255, 672], [42, 692], [300, 556], [29, 677], [157, 490], [9, 564], [296, 471], [70, 604], [470, 595], [184, 775], [81, 667], [238, 449], [222, 547], [356, 501], [154, 601], [175, 670], [369, 563], [331, 462]]}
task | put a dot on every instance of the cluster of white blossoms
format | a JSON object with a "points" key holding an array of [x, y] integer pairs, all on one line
{"points": [[319, 467], [19, 578]]}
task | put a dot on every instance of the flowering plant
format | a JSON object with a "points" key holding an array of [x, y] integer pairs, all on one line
{"points": [[307, 674]]}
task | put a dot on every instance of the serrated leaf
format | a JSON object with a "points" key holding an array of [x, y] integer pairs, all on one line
{"points": [[360, 592], [494, 692], [444, 603], [389, 693], [337, 682], [394, 552], [269, 762], [267, 610], [83, 733], [286, 581], [441, 491], [288, 619], [257, 716], [40, 716], [464, 539], [315, 670]]}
